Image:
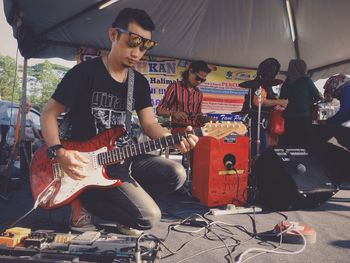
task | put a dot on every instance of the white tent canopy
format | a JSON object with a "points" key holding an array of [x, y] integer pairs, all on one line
{"points": [[224, 32]]}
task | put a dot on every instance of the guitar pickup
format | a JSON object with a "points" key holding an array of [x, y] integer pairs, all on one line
{"points": [[57, 171]]}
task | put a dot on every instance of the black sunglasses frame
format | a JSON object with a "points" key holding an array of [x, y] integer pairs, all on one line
{"points": [[198, 78], [143, 40]]}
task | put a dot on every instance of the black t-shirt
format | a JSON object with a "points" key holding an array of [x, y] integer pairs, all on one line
{"points": [[95, 100]]}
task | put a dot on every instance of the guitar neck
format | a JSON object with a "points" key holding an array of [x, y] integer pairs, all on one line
{"points": [[125, 152]]}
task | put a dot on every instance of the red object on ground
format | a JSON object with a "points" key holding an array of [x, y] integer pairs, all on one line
{"points": [[293, 234], [220, 170]]}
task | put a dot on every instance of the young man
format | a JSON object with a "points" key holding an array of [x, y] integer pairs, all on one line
{"points": [[95, 93], [182, 104], [183, 99]]}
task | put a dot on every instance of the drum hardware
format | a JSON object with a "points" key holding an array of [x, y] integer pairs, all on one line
{"points": [[256, 83], [323, 111], [259, 122], [251, 84], [265, 77]]}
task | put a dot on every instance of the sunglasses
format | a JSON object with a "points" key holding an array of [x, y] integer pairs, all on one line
{"points": [[136, 40], [198, 78]]}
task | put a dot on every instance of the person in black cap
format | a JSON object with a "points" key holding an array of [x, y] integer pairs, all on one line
{"points": [[265, 77]]}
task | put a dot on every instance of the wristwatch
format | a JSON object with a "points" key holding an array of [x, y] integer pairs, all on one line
{"points": [[52, 151]]}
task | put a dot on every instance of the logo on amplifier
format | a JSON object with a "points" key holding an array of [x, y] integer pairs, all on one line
{"points": [[229, 172], [230, 138]]}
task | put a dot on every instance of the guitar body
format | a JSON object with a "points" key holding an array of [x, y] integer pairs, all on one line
{"points": [[64, 189]]}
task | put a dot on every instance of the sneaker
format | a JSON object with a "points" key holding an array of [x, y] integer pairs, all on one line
{"points": [[125, 230], [80, 220]]}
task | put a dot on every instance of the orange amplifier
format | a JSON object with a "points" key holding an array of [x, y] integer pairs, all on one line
{"points": [[220, 170]]}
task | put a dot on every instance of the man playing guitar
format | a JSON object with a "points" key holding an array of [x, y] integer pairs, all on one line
{"points": [[182, 101], [94, 93]]}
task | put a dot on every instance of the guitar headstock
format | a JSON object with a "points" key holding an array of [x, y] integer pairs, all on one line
{"points": [[219, 130]]}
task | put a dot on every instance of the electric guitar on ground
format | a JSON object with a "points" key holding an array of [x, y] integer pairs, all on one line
{"points": [[52, 188]]}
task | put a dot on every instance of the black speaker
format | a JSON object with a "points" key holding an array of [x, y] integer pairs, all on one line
{"points": [[291, 179], [335, 160]]}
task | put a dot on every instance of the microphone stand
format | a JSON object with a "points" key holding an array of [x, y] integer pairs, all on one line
{"points": [[253, 180], [258, 93]]}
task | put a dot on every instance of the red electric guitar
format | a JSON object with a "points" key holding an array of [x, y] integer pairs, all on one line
{"points": [[52, 188]]}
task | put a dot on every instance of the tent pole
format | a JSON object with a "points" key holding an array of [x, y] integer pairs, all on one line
{"points": [[23, 100], [293, 27], [22, 109], [22, 146]]}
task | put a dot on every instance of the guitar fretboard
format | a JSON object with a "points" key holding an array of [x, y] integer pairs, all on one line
{"points": [[125, 152]]}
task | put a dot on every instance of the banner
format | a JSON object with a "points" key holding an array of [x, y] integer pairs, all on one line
{"points": [[221, 93]]}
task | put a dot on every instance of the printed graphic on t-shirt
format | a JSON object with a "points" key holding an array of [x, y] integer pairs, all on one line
{"points": [[108, 110], [106, 118]]}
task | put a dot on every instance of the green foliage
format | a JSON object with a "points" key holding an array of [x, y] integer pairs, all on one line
{"points": [[47, 77], [43, 85], [9, 81], [42, 81]]}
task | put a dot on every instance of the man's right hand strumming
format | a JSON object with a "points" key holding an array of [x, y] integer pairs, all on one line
{"points": [[72, 163]]}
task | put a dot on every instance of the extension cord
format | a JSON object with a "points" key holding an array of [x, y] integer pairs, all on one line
{"points": [[292, 235], [232, 209]]}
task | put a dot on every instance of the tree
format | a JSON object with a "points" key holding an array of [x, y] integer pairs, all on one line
{"points": [[45, 76], [42, 80], [9, 82]]}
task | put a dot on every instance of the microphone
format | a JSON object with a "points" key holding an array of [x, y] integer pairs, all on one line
{"points": [[301, 169], [229, 161]]}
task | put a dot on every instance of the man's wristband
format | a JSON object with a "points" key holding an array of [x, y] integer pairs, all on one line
{"points": [[52, 151]]}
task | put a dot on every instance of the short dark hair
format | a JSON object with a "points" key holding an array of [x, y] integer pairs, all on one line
{"points": [[268, 69], [199, 65], [128, 15], [195, 67]]}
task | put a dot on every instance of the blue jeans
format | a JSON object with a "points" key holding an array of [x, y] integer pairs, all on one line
{"points": [[131, 204]]}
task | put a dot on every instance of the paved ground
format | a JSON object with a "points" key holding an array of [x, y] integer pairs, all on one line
{"points": [[331, 222]]}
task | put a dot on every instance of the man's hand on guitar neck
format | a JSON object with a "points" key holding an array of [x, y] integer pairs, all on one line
{"points": [[203, 119], [72, 163], [187, 143]]}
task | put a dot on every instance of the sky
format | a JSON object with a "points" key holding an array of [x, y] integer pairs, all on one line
{"points": [[8, 44]]}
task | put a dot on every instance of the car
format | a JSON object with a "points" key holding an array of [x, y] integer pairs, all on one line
{"points": [[8, 112], [9, 109]]}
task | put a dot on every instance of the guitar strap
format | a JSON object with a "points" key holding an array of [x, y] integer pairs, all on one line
{"points": [[129, 100]]}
